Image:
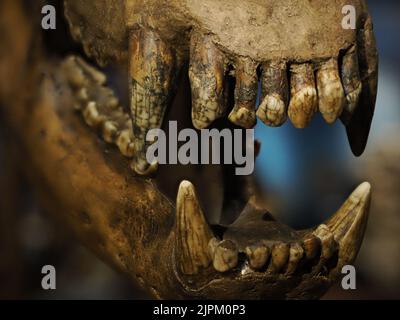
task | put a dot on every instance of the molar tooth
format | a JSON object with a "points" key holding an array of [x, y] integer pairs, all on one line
{"points": [[258, 256], [303, 102], [225, 256], [296, 253], [275, 92], [243, 114], [279, 257], [330, 91]]}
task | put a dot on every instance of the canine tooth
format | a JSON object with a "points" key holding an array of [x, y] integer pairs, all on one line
{"points": [[303, 102], [225, 256], [152, 69], [125, 143], [330, 91], [279, 257], [192, 233], [351, 83], [311, 245], [360, 124], [244, 114], [258, 256], [91, 114], [328, 243], [296, 253], [206, 75], [275, 92]]}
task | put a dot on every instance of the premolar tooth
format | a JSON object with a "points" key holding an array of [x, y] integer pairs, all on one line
{"points": [[225, 256], [330, 91], [296, 253], [244, 114], [206, 73], [303, 101], [279, 257], [275, 92], [125, 143], [109, 131], [311, 245], [192, 233], [328, 243], [257, 256], [91, 114], [97, 76], [82, 95], [74, 72]]}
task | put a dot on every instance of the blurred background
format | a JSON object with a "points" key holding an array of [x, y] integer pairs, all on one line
{"points": [[308, 174]]}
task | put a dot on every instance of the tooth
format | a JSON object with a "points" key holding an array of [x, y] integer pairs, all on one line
{"points": [[192, 232], [279, 257], [296, 253], [82, 95], [328, 243], [257, 256], [360, 124], [112, 102], [212, 244], [74, 72], [275, 90], [351, 83], [311, 245], [91, 114], [152, 72], [244, 114], [303, 102], [109, 131], [225, 256], [330, 91], [97, 76], [349, 223], [125, 143], [206, 75]]}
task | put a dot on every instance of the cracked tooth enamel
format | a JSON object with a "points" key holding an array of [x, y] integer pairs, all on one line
{"points": [[330, 91], [192, 233], [351, 83], [279, 257], [296, 253], [206, 73], [275, 92], [244, 114], [328, 243], [152, 69], [257, 256], [311, 245], [225, 256], [303, 101]]}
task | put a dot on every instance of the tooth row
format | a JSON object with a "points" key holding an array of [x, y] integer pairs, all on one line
{"points": [[279, 257], [99, 106]]}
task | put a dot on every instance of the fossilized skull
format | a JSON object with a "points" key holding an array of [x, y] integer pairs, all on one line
{"points": [[305, 62]]}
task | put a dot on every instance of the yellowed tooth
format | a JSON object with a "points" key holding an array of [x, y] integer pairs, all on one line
{"points": [[74, 73], [206, 75], [279, 257], [109, 131], [225, 256], [330, 91], [311, 245], [125, 143], [91, 115], [244, 114], [303, 101], [275, 94], [95, 75], [328, 243], [82, 95], [258, 256], [296, 253]]}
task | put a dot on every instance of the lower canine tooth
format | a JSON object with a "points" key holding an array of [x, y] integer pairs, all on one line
{"points": [[225, 256]]}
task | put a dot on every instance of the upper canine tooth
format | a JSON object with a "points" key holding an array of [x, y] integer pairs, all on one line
{"points": [[192, 233], [225, 256]]}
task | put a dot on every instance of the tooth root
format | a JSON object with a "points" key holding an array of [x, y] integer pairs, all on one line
{"points": [[192, 232], [279, 257], [258, 256], [244, 114], [349, 223], [330, 91], [225, 256], [303, 101], [328, 243], [351, 83], [296, 254], [152, 74], [206, 75], [275, 92], [360, 124], [311, 245]]}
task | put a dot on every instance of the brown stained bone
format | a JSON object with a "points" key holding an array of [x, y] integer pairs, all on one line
{"points": [[351, 83], [330, 91], [152, 69], [244, 114], [206, 73], [360, 124], [275, 94], [192, 232], [303, 100]]}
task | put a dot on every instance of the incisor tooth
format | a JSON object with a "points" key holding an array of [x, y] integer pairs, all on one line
{"points": [[192, 233]]}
